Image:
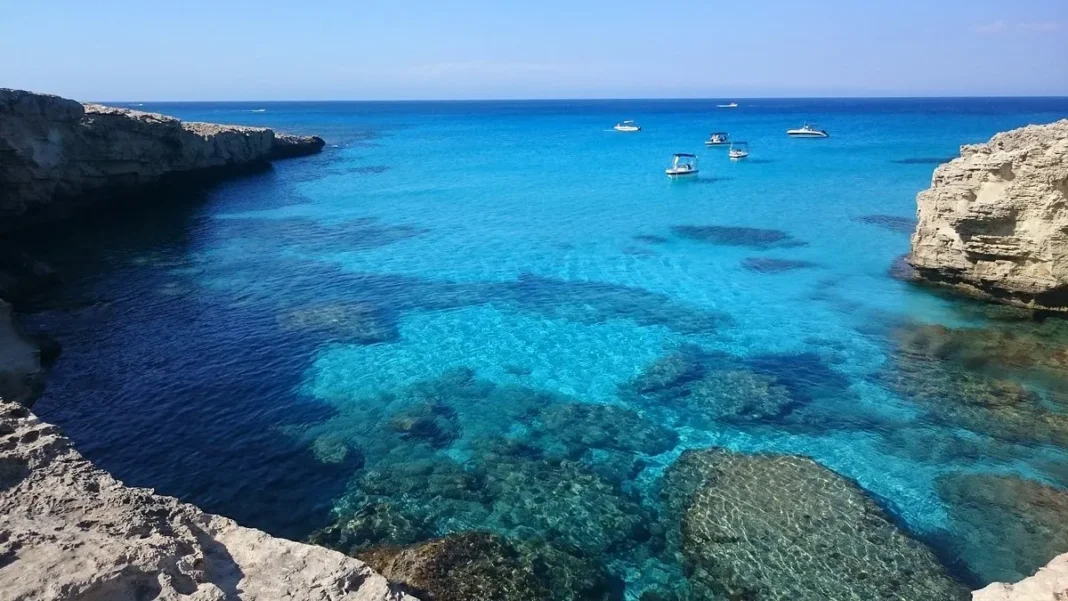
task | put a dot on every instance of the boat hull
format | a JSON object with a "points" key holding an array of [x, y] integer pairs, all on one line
{"points": [[807, 134], [680, 173], [627, 130]]}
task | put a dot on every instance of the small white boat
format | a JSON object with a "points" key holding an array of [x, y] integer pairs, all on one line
{"points": [[739, 150], [682, 164], [807, 131], [718, 138], [627, 126], [732, 105]]}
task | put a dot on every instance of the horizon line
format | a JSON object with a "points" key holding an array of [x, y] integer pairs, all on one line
{"points": [[614, 99]]}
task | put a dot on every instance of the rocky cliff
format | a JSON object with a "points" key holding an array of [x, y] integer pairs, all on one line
{"points": [[994, 223], [57, 153]]}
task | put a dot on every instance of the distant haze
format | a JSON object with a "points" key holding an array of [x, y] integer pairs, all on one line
{"points": [[423, 49]]}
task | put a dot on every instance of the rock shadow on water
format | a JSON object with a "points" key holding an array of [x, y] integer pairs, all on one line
{"points": [[783, 528], [770, 265], [1005, 527], [893, 223], [749, 237]]}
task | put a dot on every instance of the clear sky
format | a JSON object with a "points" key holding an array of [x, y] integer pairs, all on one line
{"points": [[444, 49]]}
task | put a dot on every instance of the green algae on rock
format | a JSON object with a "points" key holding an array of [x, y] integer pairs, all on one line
{"points": [[473, 566], [1010, 526], [782, 528]]}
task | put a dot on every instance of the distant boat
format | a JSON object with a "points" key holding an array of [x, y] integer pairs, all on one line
{"points": [[718, 138], [807, 131], [739, 150], [259, 110], [627, 126], [682, 164], [732, 105]]}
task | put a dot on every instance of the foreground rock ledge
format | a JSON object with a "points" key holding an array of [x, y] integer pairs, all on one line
{"points": [[69, 531], [56, 153], [994, 223]]}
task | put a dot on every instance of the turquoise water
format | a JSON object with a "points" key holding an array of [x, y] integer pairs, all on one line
{"points": [[249, 346]]}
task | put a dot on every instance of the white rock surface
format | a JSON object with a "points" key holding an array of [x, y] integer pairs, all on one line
{"points": [[69, 531], [994, 222], [1048, 584]]}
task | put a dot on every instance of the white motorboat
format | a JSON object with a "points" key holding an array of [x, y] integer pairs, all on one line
{"points": [[807, 131], [739, 150], [732, 105], [627, 126], [718, 138], [682, 164]]}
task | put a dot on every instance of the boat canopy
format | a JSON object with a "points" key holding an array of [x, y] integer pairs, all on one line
{"points": [[683, 155], [718, 133]]}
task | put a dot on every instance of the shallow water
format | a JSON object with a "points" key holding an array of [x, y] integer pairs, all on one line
{"points": [[264, 347]]}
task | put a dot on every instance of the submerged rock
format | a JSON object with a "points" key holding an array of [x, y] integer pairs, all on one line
{"points": [[433, 423], [361, 323], [596, 426], [970, 377], [993, 224], [768, 265], [776, 527], [893, 223], [737, 236], [480, 566], [739, 395], [59, 153], [1008, 527]]}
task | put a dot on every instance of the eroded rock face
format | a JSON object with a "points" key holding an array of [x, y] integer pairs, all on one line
{"points": [[69, 531], [776, 527], [54, 151], [994, 222]]}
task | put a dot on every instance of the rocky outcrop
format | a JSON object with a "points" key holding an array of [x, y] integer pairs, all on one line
{"points": [[21, 375], [994, 222], [69, 531], [1049, 584], [57, 153]]}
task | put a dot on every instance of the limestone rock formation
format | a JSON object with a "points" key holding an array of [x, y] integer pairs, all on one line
{"points": [[1048, 584], [994, 222], [69, 531], [54, 151]]}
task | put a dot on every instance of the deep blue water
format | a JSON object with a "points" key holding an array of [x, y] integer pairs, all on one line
{"points": [[218, 340]]}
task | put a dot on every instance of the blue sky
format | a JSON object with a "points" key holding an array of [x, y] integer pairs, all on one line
{"points": [[426, 49]]}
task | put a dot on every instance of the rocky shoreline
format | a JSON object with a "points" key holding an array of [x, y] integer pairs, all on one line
{"points": [[58, 155]]}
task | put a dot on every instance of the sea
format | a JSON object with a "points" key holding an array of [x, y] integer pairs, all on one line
{"points": [[492, 316]]}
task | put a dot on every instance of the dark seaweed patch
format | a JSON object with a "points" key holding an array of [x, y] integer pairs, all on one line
{"points": [[650, 239], [750, 237], [768, 265]]}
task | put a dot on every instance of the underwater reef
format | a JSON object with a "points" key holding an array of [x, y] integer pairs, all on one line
{"points": [[777, 527], [1012, 526], [479, 565], [985, 379]]}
